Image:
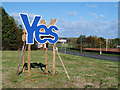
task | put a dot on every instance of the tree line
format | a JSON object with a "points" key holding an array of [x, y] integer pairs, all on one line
{"points": [[93, 42], [11, 32]]}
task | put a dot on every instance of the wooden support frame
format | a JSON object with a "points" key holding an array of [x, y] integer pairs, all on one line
{"points": [[54, 59], [24, 39], [24, 59], [29, 49], [21, 56], [46, 57], [42, 30], [24, 62], [63, 65], [52, 22]]}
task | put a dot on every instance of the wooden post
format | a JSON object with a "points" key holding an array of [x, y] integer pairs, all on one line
{"points": [[54, 59], [46, 57], [24, 39], [21, 56], [42, 30], [63, 65], [24, 60], [29, 48], [52, 22]]}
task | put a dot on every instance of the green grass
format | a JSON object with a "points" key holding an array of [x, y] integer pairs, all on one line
{"points": [[84, 72]]}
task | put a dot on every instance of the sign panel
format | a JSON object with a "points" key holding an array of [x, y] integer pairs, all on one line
{"points": [[34, 28]]}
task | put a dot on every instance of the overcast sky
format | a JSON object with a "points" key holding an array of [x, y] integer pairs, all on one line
{"points": [[74, 18]]}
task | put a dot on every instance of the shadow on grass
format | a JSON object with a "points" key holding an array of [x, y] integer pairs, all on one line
{"points": [[34, 65]]}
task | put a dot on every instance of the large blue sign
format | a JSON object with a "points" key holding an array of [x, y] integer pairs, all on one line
{"points": [[34, 29]]}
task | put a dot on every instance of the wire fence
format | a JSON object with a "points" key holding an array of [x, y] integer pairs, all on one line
{"points": [[82, 46]]}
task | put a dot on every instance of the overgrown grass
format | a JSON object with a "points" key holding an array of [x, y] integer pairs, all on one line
{"points": [[84, 72]]}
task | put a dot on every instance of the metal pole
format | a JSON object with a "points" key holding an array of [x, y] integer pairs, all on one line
{"points": [[81, 44], [61, 46], [65, 47], [106, 44], [100, 48]]}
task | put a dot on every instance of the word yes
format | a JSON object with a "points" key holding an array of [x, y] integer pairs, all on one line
{"points": [[35, 28]]}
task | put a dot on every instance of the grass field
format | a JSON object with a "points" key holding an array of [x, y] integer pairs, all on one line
{"points": [[84, 72]]}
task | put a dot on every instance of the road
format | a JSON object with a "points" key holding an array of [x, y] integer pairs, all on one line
{"points": [[93, 55]]}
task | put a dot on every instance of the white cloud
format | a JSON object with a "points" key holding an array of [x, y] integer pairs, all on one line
{"points": [[116, 5], [71, 13], [81, 17], [16, 15], [98, 16], [31, 15], [94, 14], [61, 19], [91, 5], [104, 29], [101, 16]]}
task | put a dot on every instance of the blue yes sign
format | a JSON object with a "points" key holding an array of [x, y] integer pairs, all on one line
{"points": [[34, 29]]}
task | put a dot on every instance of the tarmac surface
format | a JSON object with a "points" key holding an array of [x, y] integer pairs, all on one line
{"points": [[92, 55]]}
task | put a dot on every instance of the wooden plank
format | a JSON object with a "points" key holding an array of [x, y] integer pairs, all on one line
{"points": [[29, 48], [24, 59], [63, 65], [25, 35], [46, 57], [53, 60], [43, 22], [21, 56], [52, 22], [42, 30]]}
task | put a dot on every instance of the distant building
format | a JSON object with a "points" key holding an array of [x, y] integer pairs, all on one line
{"points": [[42, 46], [118, 46], [62, 41]]}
